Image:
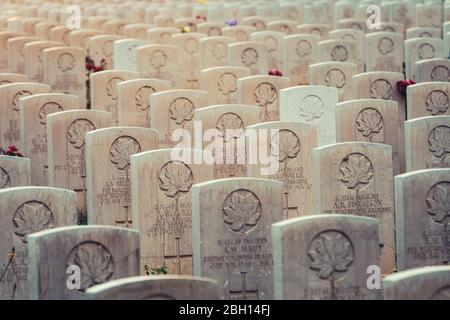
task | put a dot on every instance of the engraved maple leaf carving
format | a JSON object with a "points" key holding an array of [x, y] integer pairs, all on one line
{"points": [[285, 145], [242, 210], [303, 48], [122, 149], [175, 178], [440, 73], [230, 126], [426, 51], [95, 264], [381, 89], [5, 181], [158, 59], [339, 53], [439, 202], [142, 97], [439, 142], [77, 130], [369, 123], [335, 78], [356, 171], [437, 102], [330, 252], [312, 108], [219, 51], [249, 57], [265, 94], [227, 84], [181, 110], [30, 217], [46, 109]]}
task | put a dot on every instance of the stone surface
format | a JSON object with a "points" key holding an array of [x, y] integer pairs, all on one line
{"points": [[426, 143], [159, 62], [423, 32], [221, 83], [422, 218], [16, 53], [302, 248], [7, 78], [250, 54], [163, 215], [101, 48], [156, 288], [240, 33], [33, 129], [101, 253], [161, 35], [311, 104], [262, 91], [172, 111], [14, 172], [428, 283], [124, 53], [418, 49], [231, 221], [428, 99], [108, 182], [339, 50], [432, 70], [214, 51], [4, 36], [133, 100], [356, 178], [301, 50], [27, 210], [384, 52], [66, 150], [320, 30], [334, 74], [34, 58], [10, 109], [275, 43]]}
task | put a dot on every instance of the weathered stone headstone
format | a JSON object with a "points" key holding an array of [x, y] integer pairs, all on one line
{"points": [[80, 38], [108, 182], [302, 248], [133, 102], [358, 37], [320, 30], [16, 53], [14, 172], [161, 35], [211, 29], [426, 143], [159, 62], [301, 50], [114, 27], [27, 210], [432, 70], [136, 30], [10, 109], [156, 288], [163, 215], [101, 50], [174, 110], [260, 23], [249, 54], [188, 53], [334, 74], [418, 49], [285, 26], [262, 91], [4, 37], [221, 83], [7, 78], [427, 283], [275, 43], [423, 32], [100, 253], [60, 33], [290, 144], [66, 150], [311, 104], [353, 23], [428, 99], [33, 129], [422, 219], [103, 90], [403, 12], [214, 51], [370, 120], [124, 53], [356, 178], [384, 52], [240, 33], [34, 58], [429, 14], [223, 132], [231, 234], [65, 72], [339, 50]]}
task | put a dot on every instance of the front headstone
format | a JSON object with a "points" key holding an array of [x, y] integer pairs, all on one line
{"points": [[231, 221], [100, 254], [27, 210], [356, 178], [108, 182], [325, 257], [428, 99]]}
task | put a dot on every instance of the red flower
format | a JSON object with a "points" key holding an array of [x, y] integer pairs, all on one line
{"points": [[199, 17], [275, 72], [402, 85], [97, 69], [11, 151]]}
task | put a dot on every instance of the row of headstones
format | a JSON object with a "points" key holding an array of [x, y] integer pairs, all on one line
{"points": [[314, 257], [165, 12]]}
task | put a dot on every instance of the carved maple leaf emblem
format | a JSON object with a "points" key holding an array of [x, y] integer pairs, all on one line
{"points": [[312, 108], [265, 94], [230, 126], [227, 83], [356, 171], [122, 149], [249, 56], [285, 145], [369, 122], [437, 102], [32, 216], [95, 264], [175, 178], [330, 252], [438, 201], [242, 211], [439, 141], [181, 110], [77, 131]]}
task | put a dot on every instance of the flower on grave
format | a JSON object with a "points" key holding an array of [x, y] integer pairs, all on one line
{"points": [[231, 23], [275, 72], [402, 85], [200, 17], [185, 29], [11, 151]]}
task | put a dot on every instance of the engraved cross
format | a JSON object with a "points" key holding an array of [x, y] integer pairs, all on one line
{"points": [[244, 293]]}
